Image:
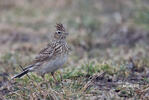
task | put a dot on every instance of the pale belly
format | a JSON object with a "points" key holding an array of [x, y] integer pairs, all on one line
{"points": [[53, 65]]}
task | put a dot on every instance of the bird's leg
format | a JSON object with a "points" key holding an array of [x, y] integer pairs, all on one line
{"points": [[43, 77], [61, 77], [52, 73]]}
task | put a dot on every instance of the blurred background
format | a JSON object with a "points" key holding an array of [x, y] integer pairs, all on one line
{"points": [[104, 31]]}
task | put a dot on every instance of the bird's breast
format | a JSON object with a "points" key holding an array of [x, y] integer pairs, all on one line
{"points": [[53, 64]]}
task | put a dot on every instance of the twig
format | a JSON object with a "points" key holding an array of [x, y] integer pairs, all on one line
{"points": [[23, 70]]}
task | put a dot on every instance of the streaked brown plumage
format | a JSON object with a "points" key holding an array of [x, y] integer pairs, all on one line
{"points": [[52, 57]]}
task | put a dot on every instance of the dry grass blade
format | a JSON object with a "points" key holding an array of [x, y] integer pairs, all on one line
{"points": [[92, 80], [144, 90], [23, 70]]}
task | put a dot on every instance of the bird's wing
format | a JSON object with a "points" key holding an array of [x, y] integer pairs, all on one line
{"points": [[49, 52], [44, 54]]}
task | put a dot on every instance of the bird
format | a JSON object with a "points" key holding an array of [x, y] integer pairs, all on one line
{"points": [[50, 58]]}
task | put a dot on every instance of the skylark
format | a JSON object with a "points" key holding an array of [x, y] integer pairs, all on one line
{"points": [[50, 58]]}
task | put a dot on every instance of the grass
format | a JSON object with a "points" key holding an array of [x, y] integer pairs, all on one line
{"points": [[74, 80]]}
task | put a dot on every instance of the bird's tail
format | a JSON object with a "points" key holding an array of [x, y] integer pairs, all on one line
{"points": [[25, 71], [21, 74]]}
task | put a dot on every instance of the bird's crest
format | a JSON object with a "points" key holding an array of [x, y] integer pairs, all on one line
{"points": [[60, 27]]}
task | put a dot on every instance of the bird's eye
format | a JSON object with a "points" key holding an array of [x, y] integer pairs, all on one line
{"points": [[59, 32]]}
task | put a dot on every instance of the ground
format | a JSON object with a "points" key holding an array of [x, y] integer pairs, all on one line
{"points": [[109, 40]]}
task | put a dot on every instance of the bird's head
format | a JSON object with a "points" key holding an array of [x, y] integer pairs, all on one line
{"points": [[60, 33]]}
